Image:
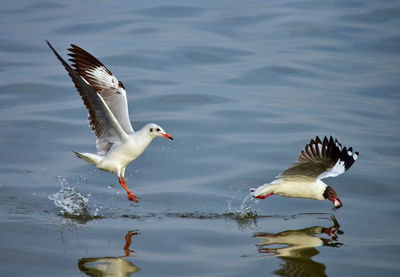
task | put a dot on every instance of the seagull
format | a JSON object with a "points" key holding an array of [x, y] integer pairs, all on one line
{"points": [[105, 99], [318, 160]]}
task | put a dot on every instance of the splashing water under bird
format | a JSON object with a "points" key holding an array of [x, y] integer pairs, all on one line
{"points": [[72, 203], [246, 208]]}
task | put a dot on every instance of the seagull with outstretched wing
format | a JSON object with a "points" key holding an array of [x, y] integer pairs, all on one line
{"points": [[318, 160], [105, 99]]}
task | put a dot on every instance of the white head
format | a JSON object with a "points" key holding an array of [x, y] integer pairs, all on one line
{"points": [[156, 131]]}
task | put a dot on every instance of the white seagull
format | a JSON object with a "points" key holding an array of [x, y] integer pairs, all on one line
{"points": [[105, 99], [302, 179]]}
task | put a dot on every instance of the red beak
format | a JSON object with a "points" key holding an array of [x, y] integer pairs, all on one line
{"points": [[336, 202], [167, 136]]}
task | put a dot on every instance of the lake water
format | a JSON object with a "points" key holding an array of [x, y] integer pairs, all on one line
{"points": [[242, 86]]}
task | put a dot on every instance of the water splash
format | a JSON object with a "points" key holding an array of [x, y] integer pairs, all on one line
{"points": [[245, 210], [72, 203], [245, 215]]}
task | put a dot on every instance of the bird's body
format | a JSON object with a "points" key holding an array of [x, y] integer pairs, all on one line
{"points": [[119, 155], [302, 179], [105, 99], [301, 188]]}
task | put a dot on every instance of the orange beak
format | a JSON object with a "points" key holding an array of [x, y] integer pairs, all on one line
{"points": [[167, 136]]}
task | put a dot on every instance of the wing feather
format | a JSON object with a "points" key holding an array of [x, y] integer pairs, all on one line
{"points": [[320, 160], [104, 124], [104, 83]]}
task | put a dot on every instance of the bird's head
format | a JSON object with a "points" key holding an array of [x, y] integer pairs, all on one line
{"points": [[331, 195], [156, 131]]}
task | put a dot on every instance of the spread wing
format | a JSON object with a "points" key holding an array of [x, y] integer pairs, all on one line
{"points": [[320, 160], [104, 83], [106, 127]]}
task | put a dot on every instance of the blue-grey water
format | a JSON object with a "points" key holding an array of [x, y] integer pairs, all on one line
{"points": [[242, 86]]}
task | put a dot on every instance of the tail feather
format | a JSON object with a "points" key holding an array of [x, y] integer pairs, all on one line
{"points": [[93, 159]]}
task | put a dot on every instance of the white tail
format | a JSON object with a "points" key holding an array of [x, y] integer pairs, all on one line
{"points": [[93, 159]]}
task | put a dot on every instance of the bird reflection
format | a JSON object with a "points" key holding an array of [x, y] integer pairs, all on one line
{"points": [[297, 247], [110, 266]]}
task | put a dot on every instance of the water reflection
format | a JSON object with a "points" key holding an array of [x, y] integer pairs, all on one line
{"points": [[110, 266], [297, 247]]}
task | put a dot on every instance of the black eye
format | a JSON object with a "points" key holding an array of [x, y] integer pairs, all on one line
{"points": [[158, 129], [151, 129]]}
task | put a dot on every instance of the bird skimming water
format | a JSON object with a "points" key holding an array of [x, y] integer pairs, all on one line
{"points": [[105, 99], [302, 179]]}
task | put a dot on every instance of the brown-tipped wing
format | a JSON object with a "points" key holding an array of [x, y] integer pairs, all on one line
{"points": [[320, 160], [104, 83], [107, 129]]}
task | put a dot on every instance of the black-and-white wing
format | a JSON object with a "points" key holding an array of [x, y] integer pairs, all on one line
{"points": [[104, 83], [104, 124], [320, 160]]}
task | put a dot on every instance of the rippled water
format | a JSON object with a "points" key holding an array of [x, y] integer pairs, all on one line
{"points": [[241, 86]]}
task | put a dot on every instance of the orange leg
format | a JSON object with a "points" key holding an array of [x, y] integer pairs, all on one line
{"points": [[123, 180], [263, 197], [131, 196]]}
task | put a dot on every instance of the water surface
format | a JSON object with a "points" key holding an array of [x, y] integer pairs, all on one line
{"points": [[242, 87]]}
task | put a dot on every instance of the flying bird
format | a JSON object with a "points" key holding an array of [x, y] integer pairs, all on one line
{"points": [[105, 99], [303, 179]]}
